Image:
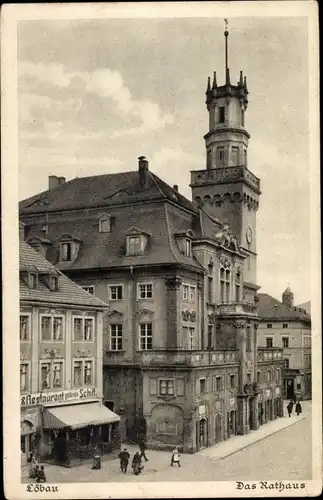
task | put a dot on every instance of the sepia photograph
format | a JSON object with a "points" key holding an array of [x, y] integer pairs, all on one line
{"points": [[160, 219]]}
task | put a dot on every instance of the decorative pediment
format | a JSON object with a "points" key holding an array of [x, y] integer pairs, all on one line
{"points": [[67, 238], [185, 234], [115, 312], [145, 312], [133, 230], [36, 240]]}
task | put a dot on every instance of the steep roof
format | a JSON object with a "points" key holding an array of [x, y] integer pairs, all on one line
{"points": [[306, 306], [68, 292], [271, 309], [103, 190]]}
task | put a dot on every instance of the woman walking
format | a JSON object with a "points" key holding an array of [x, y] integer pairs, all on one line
{"points": [[290, 407], [298, 408]]}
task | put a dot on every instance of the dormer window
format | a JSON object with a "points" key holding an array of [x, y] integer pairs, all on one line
{"points": [[40, 245], [136, 241], [184, 240], [68, 248], [105, 224], [33, 280]]}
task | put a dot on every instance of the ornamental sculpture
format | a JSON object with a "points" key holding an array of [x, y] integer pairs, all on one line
{"points": [[224, 238], [239, 324], [189, 316], [83, 353], [52, 353], [173, 283], [248, 388]]}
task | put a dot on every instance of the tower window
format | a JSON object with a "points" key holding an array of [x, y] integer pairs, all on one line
{"points": [[220, 157], [235, 155], [221, 114], [245, 157]]}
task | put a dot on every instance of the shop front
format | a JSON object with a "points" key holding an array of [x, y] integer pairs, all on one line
{"points": [[28, 429], [76, 432]]}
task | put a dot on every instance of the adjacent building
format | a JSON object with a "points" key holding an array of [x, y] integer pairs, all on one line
{"points": [[181, 364], [61, 339], [286, 326]]}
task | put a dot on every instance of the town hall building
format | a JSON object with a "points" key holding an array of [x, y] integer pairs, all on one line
{"points": [[181, 363]]}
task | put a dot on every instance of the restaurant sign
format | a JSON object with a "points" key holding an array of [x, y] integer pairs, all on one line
{"points": [[57, 396]]}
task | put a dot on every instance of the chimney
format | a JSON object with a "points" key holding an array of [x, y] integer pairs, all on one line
{"points": [[143, 167], [21, 231], [53, 181], [175, 187], [61, 180]]}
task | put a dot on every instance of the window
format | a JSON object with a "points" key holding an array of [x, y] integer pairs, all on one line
{"points": [[44, 376], [57, 375], [245, 157], [83, 373], [89, 289], [218, 383], [209, 336], [24, 327], [242, 117], [269, 342], [269, 376], [258, 377], [33, 279], [77, 380], [134, 245], [285, 342], [238, 287], [116, 292], [166, 387], [146, 336], [286, 363], [188, 247], [192, 294], [277, 374], [248, 377], [145, 291], [185, 292], [285, 325], [235, 155], [51, 328], [227, 285], [210, 289], [116, 337], [221, 114], [54, 283], [232, 381], [202, 385], [83, 329], [104, 225], [220, 157], [24, 375], [66, 252], [269, 325], [191, 332], [222, 281]]}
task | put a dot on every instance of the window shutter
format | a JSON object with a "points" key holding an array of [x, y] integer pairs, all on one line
{"points": [[153, 386]]}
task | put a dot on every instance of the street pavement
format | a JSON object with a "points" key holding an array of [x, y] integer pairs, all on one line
{"points": [[285, 454]]}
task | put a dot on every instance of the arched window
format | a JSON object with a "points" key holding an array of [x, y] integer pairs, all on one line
{"points": [[238, 286], [227, 285]]}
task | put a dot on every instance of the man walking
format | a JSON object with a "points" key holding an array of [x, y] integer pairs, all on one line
{"points": [[175, 458], [290, 407], [124, 460], [143, 448], [298, 408]]}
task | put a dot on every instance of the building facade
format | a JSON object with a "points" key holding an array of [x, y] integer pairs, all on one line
{"points": [[61, 332], [181, 364], [289, 327]]}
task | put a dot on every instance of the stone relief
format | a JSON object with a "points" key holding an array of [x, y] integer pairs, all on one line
{"points": [[189, 316], [51, 352], [83, 353]]}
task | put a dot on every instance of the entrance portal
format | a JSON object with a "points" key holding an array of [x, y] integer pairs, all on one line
{"points": [[289, 388], [231, 416], [202, 433], [218, 428]]}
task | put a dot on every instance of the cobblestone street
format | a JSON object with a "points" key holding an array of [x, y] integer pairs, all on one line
{"points": [[284, 454]]}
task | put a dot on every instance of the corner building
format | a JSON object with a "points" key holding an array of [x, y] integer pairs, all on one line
{"points": [[61, 330], [181, 364]]}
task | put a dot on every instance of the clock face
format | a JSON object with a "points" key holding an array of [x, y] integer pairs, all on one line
{"points": [[249, 235]]}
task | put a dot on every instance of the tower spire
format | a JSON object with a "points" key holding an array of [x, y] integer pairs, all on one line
{"points": [[227, 71]]}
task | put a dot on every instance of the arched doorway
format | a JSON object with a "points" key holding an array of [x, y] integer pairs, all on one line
{"points": [[218, 428], [202, 433], [26, 437], [231, 416]]}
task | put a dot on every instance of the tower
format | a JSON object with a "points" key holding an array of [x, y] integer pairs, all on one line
{"points": [[288, 298], [226, 188]]}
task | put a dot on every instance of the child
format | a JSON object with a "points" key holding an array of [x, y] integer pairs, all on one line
{"points": [[175, 458]]}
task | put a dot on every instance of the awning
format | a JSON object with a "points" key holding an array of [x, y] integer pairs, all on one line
{"points": [[78, 416]]}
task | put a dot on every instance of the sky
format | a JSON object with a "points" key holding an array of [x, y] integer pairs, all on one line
{"points": [[93, 95]]}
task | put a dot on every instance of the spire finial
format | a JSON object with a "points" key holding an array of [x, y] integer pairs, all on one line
{"points": [[226, 34], [208, 88], [214, 85]]}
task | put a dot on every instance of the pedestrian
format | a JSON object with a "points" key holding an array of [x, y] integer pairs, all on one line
{"points": [[124, 460], [143, 448], [175, 458], [136, 464], [290, 407], [298, 408], [41, 478]]}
